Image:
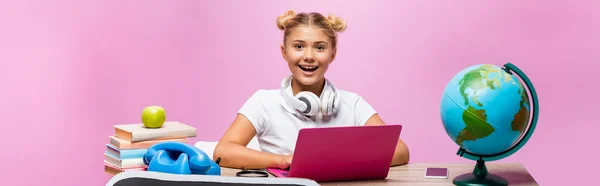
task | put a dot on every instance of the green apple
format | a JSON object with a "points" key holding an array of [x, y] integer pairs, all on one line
{"points": [[153, 116]]}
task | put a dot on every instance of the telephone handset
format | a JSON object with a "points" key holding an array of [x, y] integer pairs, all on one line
{"points": [[179, 158]]}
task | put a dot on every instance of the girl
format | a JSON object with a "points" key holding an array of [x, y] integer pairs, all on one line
{"points": [[306, 99]]}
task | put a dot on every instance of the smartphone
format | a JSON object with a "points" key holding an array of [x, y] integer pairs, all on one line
{"points": [[434, 172]]}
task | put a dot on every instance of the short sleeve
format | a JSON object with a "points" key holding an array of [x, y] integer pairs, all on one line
{"points": [[362, 111], [254, 110]]}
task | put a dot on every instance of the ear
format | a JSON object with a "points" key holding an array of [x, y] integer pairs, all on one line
{"points": [[283, 54], [333, 53]]}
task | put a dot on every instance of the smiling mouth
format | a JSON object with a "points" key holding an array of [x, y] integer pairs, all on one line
{"points": [[308, 68]]}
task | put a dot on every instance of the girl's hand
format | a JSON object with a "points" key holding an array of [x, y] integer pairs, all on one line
{"points": [[285, 161]]}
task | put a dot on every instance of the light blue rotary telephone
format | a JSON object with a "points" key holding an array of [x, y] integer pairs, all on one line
{"points": [[179, 158]]}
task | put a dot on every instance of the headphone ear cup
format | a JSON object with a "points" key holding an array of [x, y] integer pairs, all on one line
{"points": [[327, 99], [335, 101], [313, 104]]}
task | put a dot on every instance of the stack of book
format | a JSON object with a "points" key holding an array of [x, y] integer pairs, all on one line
{"points": [[129, 143]]}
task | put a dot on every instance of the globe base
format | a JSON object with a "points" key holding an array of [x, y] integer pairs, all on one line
{"points": [[480, 176]]}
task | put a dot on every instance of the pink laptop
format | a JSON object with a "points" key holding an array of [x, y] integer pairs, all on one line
{"points": [[343, 153]]}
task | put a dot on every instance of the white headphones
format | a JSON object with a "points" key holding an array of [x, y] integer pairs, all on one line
{"points": [[309, 104]]}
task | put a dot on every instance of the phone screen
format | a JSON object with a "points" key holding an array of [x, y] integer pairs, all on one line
{"points": [[436, 172]]}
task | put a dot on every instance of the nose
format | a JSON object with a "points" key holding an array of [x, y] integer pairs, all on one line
{"points": [[308, 56]]}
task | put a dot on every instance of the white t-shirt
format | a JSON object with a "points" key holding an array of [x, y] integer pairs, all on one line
{"points": [[277, 129]]}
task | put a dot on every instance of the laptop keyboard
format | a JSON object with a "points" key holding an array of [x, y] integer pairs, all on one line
{"points": [[285, 174]]}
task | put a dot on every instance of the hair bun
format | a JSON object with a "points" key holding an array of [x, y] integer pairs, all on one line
{"points": [[338, 24], [285, 18]]}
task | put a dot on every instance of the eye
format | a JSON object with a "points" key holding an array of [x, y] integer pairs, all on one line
{"points": [[320, 47], [298, 46]]}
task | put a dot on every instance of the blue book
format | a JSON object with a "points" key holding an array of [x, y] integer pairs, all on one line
{"points": [[125, 153]]}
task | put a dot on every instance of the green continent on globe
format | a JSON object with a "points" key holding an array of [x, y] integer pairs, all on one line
{"points": [[476, 120], [521, 118], [476, 126], [478, 79]]}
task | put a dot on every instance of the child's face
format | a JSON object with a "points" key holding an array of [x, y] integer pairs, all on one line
{"points": [[308, 52]]}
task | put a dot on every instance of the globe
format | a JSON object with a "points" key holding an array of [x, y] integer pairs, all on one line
{"points": [[490, 114]]}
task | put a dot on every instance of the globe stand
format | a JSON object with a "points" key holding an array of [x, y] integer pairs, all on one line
{"points": [[480, 176]]}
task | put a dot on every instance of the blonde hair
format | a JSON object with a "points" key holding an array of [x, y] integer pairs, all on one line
{"points": [[331, 24]]}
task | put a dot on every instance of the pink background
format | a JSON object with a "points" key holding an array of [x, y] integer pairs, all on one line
{"points": [[72, 69]]}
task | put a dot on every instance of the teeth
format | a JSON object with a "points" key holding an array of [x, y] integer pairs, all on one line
{"points": [[309, 67]]}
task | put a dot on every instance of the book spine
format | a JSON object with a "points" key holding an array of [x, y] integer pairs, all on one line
{"points": [[144, 144], [124, 163], [132, 163], [132, 154], [127, 154]]}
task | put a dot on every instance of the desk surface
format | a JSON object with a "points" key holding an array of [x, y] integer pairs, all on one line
{"points": [[413, 174]]}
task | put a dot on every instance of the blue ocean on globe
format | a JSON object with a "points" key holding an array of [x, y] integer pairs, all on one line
{"points": [[484, 109]]}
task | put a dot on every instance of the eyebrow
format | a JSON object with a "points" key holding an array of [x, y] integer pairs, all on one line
{"points": [[302, 41]]}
